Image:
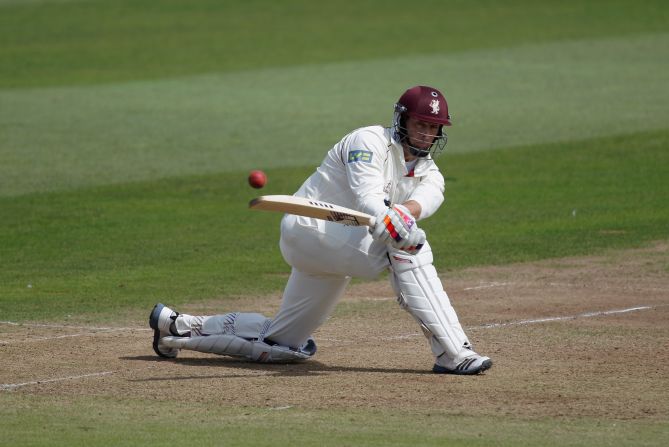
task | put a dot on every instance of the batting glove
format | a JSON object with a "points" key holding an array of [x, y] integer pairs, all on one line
{"points": [[413, 243], [397, 227]]}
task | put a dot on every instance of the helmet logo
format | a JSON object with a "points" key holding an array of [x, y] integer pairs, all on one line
{"points": [[435, 106]]}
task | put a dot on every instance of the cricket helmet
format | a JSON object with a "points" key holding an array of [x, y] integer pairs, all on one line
{"points": [[425, 104]]}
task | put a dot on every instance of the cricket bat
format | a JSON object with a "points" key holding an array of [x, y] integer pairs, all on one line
{"points": [[312, 208]]}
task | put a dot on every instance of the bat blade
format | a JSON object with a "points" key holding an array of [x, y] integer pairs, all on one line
{"points": [[312, 208]]}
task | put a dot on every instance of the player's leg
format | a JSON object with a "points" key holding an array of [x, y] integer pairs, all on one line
{"points": [[234, 334], [421, 293], [318, 246], [324, 255], [308, 300]]}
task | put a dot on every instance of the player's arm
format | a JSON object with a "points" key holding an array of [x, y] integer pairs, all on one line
{"points": [[397, 224], [414, 208], [428, 195], [364, 156]]}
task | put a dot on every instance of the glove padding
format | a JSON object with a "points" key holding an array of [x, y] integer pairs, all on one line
{"points": [[413, 243], [397, 227]]}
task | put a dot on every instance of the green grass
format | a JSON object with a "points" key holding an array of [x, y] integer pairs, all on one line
{"points": [[59, 43], [186, 239], [81, 421], [554, 200], [56, 138]]}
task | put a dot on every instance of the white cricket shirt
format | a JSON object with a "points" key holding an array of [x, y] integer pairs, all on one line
{"points": [[367, 168]]}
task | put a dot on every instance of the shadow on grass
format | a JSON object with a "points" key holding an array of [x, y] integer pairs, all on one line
{"points": [[307, 368]]}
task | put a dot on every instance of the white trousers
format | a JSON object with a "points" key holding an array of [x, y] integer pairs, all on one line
{"points": [[324, 256]]}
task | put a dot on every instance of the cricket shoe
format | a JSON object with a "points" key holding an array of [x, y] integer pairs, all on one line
{"points": [[472, 364], [161, 320]]}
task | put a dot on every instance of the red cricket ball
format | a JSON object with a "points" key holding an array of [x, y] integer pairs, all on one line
{"points": [[257, 179]]}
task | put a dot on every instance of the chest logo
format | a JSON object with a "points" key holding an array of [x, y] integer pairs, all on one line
{"points": [[434, 104]]}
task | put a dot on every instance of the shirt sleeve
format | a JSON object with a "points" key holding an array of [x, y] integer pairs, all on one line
{"points": [[364, 153], [429, 193]]}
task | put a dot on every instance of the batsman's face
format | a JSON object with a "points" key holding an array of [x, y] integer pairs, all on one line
{"points": [[421, 133]]}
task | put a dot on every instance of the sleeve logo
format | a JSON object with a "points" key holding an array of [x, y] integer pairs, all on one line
{"points": [[363, 156]]}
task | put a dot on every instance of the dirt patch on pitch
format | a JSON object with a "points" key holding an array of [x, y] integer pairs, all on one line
{"points": [[577, 337]]}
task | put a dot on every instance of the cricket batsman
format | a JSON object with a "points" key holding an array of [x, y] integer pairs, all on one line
{"points": [[389, 173]]}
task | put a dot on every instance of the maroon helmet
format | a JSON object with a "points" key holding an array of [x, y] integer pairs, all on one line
{"points": [[426, 104]]}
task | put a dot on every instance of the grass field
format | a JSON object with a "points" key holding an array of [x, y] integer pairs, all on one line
{"points": [[78, 423], [127, 129]]}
